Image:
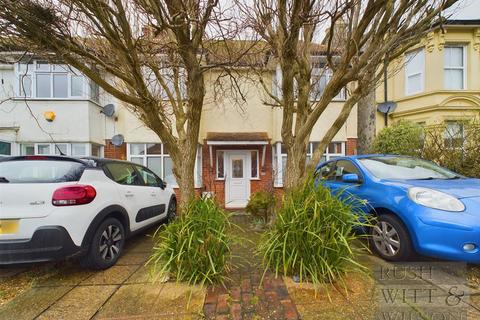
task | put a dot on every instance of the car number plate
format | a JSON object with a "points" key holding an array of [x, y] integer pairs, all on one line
{"points": [[8, 226]]}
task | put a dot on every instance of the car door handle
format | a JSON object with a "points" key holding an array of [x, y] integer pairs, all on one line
{"points": [[153, 194], [129, 194]]}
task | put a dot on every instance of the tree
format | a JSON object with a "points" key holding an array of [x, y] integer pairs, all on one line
{"points": [[366, 123], [359, 35], [154, 50]]}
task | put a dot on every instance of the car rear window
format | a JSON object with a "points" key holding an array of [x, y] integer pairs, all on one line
{"points": [[40, 171]]}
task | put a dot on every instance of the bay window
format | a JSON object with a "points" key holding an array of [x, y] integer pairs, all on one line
{"points": [[67, 149], [155, 156], [42, 80], [334, 150], [414, 72], [454, 68]]}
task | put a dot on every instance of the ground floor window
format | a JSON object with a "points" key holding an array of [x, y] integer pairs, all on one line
{"points": [[68, 149], [279, 152], [155, 156], [5, 148]]}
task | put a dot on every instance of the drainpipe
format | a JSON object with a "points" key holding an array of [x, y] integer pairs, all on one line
{"points": [[385, 89]]}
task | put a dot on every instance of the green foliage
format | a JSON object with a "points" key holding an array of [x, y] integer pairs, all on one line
{"points": [[312, 236], [404, 137], [261, 205], [196, 247]]}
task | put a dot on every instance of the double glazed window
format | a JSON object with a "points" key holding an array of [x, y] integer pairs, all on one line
{"points": [[155, 156], [334, 150], [454, 68], [42, 80], [319, 79], [5, 148], [68, 149], [414, 72]]}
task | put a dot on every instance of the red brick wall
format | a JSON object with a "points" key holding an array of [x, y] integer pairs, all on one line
{"points": [[265, 181], [113, 152], [351, 147]]}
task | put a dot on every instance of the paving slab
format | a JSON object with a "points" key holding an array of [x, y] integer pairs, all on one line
{"points": [[32, 302], [114, 275], [81, 303]]}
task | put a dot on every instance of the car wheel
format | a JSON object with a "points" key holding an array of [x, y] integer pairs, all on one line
{"points": [[106, 245], [172, 210], [390, 239]]}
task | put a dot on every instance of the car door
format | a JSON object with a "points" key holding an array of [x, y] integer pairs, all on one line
{"points": [[352, 192], [134, 196], [158, 197]]}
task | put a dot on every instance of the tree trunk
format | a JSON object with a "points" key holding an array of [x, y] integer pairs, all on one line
{"points": [[295, 167], [184, 171], [366, 119]]}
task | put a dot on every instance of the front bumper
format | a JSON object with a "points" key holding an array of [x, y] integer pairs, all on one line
{"points": [[47, 244]]}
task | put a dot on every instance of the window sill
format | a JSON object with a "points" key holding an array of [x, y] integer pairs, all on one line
{"points": [[54, 99]]}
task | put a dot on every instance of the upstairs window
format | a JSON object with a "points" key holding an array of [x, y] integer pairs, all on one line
{"points": [[5, 148], [414, 72], [39, 79], [454, 68], [175, 82]]}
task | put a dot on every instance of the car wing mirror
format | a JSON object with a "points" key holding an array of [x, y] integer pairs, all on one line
{"points": [[351, 178], [162, 184]]}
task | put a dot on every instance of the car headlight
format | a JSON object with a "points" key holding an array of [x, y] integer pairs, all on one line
{"points": [[435, 199]]}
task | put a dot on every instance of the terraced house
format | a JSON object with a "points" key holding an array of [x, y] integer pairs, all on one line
{"points": [[436, 82], [50, 108]]}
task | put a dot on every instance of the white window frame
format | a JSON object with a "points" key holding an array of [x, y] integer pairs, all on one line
{"points": [[32, 72], [248, 161], [277, 159], [421, 72], [163, 156], [463, 68], [52, 149]]}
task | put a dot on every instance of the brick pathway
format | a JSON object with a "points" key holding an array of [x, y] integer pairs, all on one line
{"points": [[246, 296]]}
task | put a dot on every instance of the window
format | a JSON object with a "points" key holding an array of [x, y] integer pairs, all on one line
{"points": [[5, 148], [149, 178], [44, 80], [454, 68], [155, 157], [320, 78], [174, 78], [345, 167], [68, 149], [220, 165], [414, 71], [334, 150], [254, 164], [327, 171], [454, 134], [123, 173]]}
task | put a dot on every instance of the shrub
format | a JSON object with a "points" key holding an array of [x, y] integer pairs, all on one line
{"points": [[403, 137], [196, 247], [312, 236], [261, 205]]}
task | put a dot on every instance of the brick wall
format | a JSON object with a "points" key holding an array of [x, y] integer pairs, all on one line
{"points": [[113, 152], [351, 147]]}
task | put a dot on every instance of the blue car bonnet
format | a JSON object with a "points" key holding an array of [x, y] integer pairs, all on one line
{"points": [[460, 188]]}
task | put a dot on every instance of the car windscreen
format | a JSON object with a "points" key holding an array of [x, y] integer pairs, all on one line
{"points": [[399, 168], [40, 171]]}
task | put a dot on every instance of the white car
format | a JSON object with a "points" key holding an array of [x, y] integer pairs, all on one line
{"points": [[52, 207]]}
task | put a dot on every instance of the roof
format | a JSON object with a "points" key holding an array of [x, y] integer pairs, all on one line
{"points": [[237, 136]]}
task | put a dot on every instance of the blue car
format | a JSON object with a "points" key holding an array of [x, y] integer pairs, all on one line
{"points": [[419, 207]]}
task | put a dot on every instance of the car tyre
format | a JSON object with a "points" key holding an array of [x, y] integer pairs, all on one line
{"points": [[106, 245], [389, 239], [172, 210]]}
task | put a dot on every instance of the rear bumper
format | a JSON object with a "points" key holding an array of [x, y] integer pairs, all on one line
{"points": [[47, 244]]}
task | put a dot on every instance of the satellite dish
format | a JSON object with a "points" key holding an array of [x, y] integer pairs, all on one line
{"points": [[108, 110], [386, 107], [117, 140]]}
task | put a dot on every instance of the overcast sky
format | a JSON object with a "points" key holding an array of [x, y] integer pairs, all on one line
{"points": [[466, 9]]}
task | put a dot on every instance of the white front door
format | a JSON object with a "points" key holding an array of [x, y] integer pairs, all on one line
{"points": [[237, 180]]}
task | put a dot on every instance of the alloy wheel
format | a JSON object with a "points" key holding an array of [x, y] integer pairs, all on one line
{"points": [[386, 239], [110, 242]]}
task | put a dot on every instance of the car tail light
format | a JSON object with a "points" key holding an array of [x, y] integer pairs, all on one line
{"points": [[73, 195]]}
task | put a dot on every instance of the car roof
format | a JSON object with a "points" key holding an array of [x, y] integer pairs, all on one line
{"points": [[361, 156], [43, 157]]}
